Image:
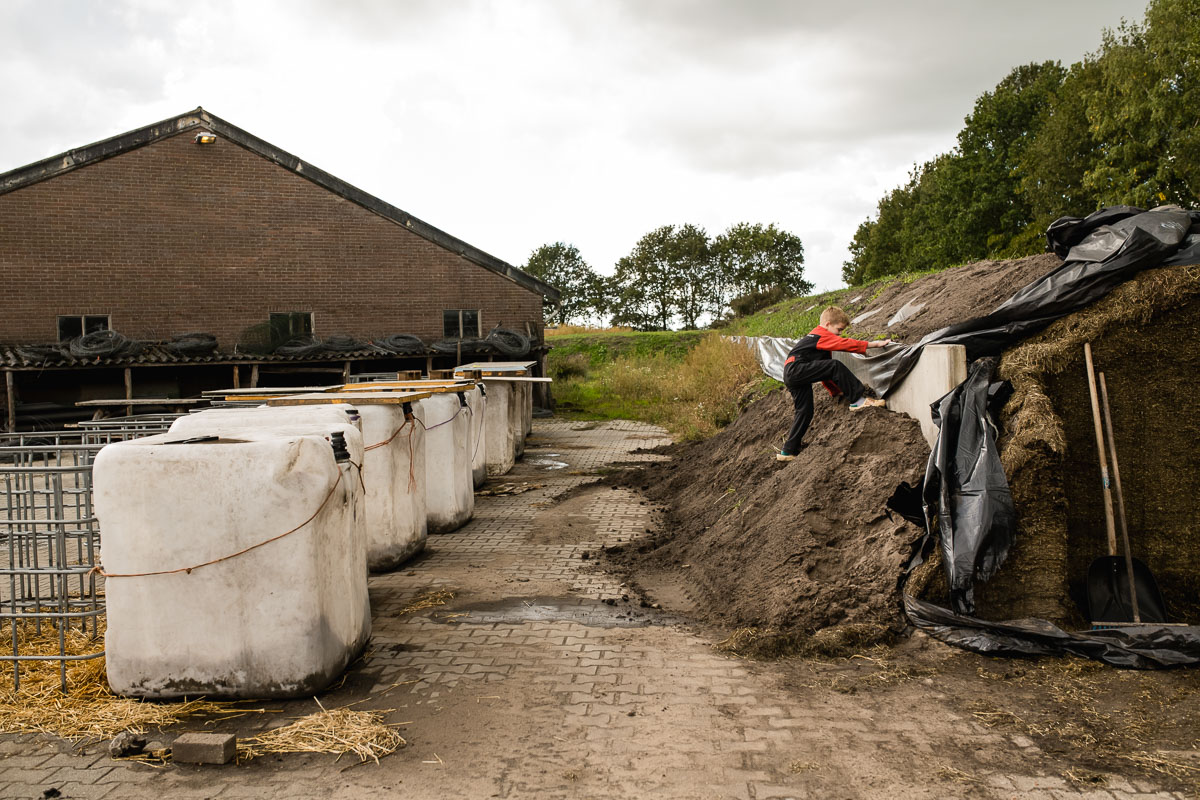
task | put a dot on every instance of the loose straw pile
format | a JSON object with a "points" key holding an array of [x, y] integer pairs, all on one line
{"points": [[430, 599], [89, 709], [339, 731]]}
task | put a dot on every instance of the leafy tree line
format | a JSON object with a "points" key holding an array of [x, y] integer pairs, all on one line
{"points": [[1119, 127], [676, 274]]}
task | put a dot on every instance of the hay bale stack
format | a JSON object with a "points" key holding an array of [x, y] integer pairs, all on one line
{"points": [[1143, 335]]}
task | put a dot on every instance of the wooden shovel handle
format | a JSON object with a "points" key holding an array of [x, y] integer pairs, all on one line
{"points": [[1108, 504], [1116, 471]]}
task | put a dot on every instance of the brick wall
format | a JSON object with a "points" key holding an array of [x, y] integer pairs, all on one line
{"points": [[175, 237]]}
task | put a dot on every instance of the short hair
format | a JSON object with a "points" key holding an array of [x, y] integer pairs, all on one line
{"points": [[834, 316]]}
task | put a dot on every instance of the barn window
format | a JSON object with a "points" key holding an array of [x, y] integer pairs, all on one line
{"points": [[72, 326], [460, 323], [287, 325]]}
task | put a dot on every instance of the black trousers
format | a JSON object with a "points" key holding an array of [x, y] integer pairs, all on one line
{"points": [[799, 377]]}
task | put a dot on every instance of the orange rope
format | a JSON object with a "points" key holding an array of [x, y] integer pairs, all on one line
{"points": [[412, 478], [388, 440], [100, 570]]}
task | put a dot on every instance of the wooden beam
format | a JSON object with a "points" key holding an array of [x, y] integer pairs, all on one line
{"points": [[10, 381], [346, 373], [237, 377], [129, 391], [254, 376]]}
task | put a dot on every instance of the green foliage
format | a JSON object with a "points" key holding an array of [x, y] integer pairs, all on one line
{"points": [[670, 272], [1117, 128], [584, 292], [678, 273], [1145, 109], [755, 260]]}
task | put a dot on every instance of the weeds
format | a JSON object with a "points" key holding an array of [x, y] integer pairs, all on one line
{"points": [[693, 390]]}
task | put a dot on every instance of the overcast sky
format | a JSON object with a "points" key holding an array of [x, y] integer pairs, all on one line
{"points": [[513, 123]]}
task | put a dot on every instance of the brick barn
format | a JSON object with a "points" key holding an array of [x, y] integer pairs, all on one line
{"points": [[195, 225]]}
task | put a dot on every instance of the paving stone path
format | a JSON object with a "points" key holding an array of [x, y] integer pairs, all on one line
{"points": [[543, 678]]}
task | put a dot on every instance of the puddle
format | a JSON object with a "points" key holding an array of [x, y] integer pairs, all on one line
{"points": [[547, 461], [585, 611]]}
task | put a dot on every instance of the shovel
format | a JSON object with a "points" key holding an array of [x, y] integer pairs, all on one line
{"points": [[1110, 578]]}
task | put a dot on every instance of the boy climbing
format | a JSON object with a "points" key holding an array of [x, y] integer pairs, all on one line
{"points": [[811, 360]]}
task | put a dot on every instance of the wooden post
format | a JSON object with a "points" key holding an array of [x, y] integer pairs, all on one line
{"points": [[428, 365], [346, 372], [11, 383], [129, 390], [237, 377], [254, 376]]}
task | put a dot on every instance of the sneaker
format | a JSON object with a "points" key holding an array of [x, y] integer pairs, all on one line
{"points": [[867, 402], [782, 456]]}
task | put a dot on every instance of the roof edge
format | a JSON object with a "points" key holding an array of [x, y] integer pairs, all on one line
{"points": [[199, 118]]}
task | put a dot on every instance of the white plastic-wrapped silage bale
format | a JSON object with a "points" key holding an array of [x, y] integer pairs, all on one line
{"points": [[235, 565], [498, 428], [449, 486], [477, 402], [395, 476], [264, 415]]}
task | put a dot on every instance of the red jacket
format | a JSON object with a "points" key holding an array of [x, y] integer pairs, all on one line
{"points": [[819, 344]]}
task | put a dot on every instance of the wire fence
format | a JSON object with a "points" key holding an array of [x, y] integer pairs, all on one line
{"points": [[50, 540]]}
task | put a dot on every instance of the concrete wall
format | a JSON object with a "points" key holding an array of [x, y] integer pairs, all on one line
{"points": [[940, 368], [175, 237]]}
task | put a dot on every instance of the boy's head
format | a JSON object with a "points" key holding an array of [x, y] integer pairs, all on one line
{"points": [[834, 320]]}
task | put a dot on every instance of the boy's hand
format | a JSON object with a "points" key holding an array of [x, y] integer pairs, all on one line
{"points": [[881, 343]]}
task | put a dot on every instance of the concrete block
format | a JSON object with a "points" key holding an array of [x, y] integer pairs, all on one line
{"points": [[204, 748], [940, 368]]}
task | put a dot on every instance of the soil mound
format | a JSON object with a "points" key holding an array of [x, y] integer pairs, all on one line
{"points": [[794, 547]]}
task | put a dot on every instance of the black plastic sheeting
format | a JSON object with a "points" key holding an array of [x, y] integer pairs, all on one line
{"points": [[1102, 251], [1138, 647], [966, 490], [965, 495]]}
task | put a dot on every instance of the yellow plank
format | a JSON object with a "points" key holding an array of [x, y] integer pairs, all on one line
{"points": [[357, 398]]}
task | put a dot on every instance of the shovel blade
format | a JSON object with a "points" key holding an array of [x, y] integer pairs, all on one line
{"points": [[1109, 594]]}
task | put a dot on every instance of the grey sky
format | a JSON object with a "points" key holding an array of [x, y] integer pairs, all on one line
{"points": [[513, 123]]}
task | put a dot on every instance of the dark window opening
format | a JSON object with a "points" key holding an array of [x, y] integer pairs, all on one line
{"points": [[288, 325], [73, 326], [460, 323]]}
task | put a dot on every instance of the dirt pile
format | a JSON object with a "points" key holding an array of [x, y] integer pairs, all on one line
{"points": [[795, 547]]}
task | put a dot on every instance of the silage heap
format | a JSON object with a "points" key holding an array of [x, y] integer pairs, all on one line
{"points": [[807, 546], [795, 547]]}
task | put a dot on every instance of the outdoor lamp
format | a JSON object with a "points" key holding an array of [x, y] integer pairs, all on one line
{"points": [[205, 138]]}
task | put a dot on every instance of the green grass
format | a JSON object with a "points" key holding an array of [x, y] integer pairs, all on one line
{"points": [[691, 383], [599, 348]]}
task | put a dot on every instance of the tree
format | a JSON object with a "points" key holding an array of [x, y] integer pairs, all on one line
{"points": [[1144, 111], [1051, 169], [755, 258], [561, 266], [668, 273]]}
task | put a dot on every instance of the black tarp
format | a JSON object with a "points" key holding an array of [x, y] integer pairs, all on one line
{"points": [[1139, 647], [965, 488], [965, 496]]}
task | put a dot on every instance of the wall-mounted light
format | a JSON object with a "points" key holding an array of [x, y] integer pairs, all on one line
{"points": [[205, 138]]}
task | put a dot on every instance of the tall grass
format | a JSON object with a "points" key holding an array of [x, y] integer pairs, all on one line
{"points": [[692, 394]]}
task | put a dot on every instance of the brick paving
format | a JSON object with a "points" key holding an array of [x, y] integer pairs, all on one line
{"points": [[543, 678]]}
